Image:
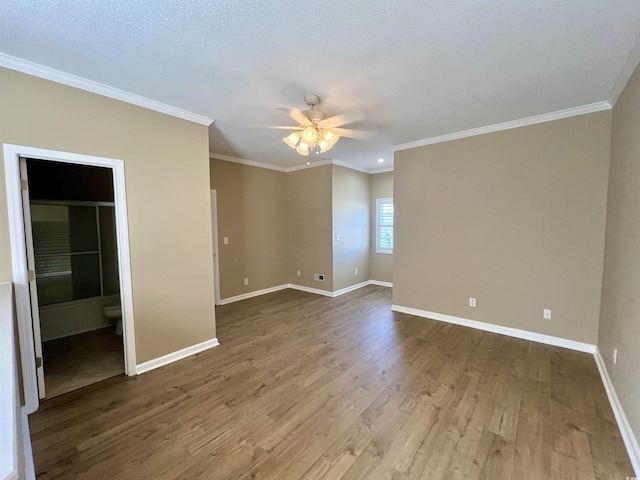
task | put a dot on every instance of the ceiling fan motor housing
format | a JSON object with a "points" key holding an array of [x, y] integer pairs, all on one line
{"points": [[314, 115], [313, 100]]}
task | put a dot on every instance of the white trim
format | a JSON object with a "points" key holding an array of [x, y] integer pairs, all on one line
{"points": [[215, 246], [630, 64], [12, 154], [350, 288], [374, 171], [379, 249], [41, 71], [295, 168], [30, 468], [317, 163], [490, 327], [302, 288], [255, 293], [175, 356], [327, 293], [20, 278], [124, 263], [340, 163], [250, 163], [545, 117], [317, 291], [628, 436], [381, 284]]}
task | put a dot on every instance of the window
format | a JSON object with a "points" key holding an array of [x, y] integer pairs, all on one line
{"points": [[72, 255], [384, 225]]}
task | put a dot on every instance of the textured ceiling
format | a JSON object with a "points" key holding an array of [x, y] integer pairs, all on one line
{"points": [[418, 69]]}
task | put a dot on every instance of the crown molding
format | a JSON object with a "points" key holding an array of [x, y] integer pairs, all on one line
{"points": [[37, 70], [546, 117], [630, 65], [340, 163], [242, 161], [374, 171], [295, 168], [319, 163]]}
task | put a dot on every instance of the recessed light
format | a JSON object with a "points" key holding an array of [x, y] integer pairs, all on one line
{"points": [[381, 160], [308, 163]]}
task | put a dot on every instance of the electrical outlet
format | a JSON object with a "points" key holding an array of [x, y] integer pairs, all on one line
{"points": [[472, 302], [319, 277], [356, 271], [546, 313], [337, 237], [298, 273], [225, 240], [246, 281], [614, 356]]}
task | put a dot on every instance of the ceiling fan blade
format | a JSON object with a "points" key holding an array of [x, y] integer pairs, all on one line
{"points": [[348, 133], [345, 118], [279, 127], [299, 117]]}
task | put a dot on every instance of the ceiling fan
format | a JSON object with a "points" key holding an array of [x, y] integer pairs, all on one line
{"points": [[315, 133]]}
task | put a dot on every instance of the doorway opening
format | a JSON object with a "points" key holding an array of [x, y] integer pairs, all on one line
{"points": [[72, 232], [65, 229]]}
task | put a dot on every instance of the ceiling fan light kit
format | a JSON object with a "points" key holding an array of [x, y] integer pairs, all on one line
{"points": [[317, 134], [313, 139]]}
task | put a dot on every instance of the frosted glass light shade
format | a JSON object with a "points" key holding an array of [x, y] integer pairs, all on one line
{"points": [[324, 146], [310, 136], [303, 149], [292, 140], [331, 138]]}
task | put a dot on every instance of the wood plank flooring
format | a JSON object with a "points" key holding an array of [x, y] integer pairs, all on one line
{"points": [[304, 386]]}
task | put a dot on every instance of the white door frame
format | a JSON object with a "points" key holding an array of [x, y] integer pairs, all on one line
{"points": [[12, 154], [216, 251], [33, 287]]}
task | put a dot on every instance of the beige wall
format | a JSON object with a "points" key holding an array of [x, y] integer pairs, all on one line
{"points": [[252, 213], [350, 198], [166, 169], [279, 223], [619, 320], [309, 226], [514, 218], [380, 264]]}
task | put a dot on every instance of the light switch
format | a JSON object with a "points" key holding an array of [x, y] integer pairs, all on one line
{"points": [[225, 240]]}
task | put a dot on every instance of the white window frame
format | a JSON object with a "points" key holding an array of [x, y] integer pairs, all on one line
{"points": [[379, 203]]}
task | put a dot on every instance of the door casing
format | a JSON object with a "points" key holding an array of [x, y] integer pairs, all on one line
{"points": [[216, 251], [12, 154]]}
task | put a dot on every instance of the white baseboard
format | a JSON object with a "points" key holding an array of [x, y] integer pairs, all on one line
{"points": [[302, 288], [628, 436], [317, 291], [489, 327], [327, 293], [175, 356], [350, 288], [256, 293]]}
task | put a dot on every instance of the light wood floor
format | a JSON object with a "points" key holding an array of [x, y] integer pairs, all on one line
{"points": [[74, 362], [305, 386]]}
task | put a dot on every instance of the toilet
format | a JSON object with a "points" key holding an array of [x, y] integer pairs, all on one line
{"points": [[114, 311]]}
